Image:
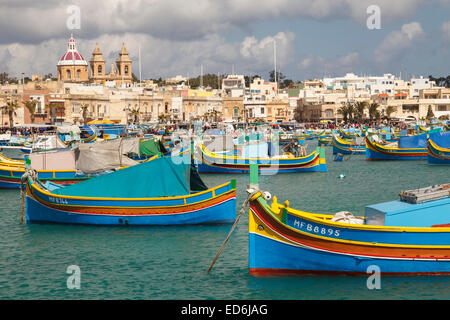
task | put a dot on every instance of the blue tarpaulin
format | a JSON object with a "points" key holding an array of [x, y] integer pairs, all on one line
{"points": [[442, 139], [418, 141]]}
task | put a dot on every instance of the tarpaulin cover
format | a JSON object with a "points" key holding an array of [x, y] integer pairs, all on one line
{"points": [[149, 148], [100, 156], [161, 177], [442, 139], [418, 141], [59, 160], [220, 144]]}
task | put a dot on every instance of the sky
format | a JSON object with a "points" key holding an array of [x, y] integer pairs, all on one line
{"points": [[314, 38]]}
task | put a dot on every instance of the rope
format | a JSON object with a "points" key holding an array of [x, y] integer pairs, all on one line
{"points": [[244, 205]]}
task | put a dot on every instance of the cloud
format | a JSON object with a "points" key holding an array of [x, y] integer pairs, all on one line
{"points": [[446, 30], [397, 43], [159, 57], [30, 21], [316, 66]]}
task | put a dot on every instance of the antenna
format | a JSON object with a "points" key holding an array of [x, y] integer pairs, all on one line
{"points": [[275, 60], [140, 69]]}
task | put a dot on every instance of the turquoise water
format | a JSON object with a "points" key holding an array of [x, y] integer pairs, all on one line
{"points": [[171, 262]]}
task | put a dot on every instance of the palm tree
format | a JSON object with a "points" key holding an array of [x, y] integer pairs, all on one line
{"points": [[135, 113], [360, 106], [343, 110], [373, 110], [351, 111], [390, 110], [84, 111], [10, 108], [31, 106], [52, 106]]}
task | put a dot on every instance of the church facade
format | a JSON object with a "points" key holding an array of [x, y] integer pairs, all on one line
{"points": [[72, 67]]}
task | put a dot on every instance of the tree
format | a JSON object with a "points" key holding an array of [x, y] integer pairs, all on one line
{"points": [[84, 112], [135, 114], [52, 108], [31, 106], [280, 76], [373, 110], [10, 108], [360, 106], [351, 111], [343, 110], [430, 114], [390, 110]]}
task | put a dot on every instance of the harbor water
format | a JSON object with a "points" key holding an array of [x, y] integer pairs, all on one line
{"points": [[171, 262]]}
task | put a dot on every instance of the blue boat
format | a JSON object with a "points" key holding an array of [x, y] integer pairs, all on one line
{"points": [[164, 191], [439, 148]]}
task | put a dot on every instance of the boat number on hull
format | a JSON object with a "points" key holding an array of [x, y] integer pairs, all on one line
{"points": [[58, 200], [312, 228]]}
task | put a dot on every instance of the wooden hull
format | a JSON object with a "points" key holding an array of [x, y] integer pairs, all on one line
{"points": [[10, 177], [290, 242], [212, 163], [217, 205], [437, 154], [375, 151], [346, 147]]}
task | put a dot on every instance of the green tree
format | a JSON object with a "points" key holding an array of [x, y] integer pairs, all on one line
{"points": [[344, 111], [52, 112], [390, 110], [31, 106], [10, 109], [280, 76], [84, 112], [430, 114], [373, 110], [360, 106]]}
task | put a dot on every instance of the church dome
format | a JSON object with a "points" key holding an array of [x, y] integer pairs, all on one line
{"points": [[72, 57]]}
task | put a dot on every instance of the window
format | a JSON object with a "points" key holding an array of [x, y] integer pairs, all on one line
{"points": [[262, 110], [68, 74], [126, 69], [100, 69], [78, 74]]}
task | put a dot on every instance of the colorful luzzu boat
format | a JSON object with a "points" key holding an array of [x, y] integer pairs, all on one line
{"points": [[347, 146], [158, 192], [376, 151], [283, 240], [209, 162], [325, 140], [439, 148]]}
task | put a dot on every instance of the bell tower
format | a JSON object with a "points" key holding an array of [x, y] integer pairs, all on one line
{"points": [[123, 63], [97, 64]]}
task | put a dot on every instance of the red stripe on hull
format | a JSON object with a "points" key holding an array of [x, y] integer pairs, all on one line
{"points": [[260, 272]]}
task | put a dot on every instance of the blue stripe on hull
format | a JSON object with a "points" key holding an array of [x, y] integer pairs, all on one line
{"points": [[374, 155], [222, 213], [434, 160], [266, 253], [203, 168]]}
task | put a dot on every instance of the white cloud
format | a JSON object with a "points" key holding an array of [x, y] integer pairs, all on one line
{"points": [[316, 66], [159, 57], [397, 43], [446, 30]]}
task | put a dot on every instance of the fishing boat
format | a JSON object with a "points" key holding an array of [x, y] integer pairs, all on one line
{"points": [[355, 146], [350, 134], [439, 148], [407, 148], [325, 140], [164, 191], [210, 162], [410, 236]]}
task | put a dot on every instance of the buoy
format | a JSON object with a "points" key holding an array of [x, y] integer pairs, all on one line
{"points": [[341, 176]]}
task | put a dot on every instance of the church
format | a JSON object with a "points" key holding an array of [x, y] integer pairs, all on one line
{"points": [[72, 67]]}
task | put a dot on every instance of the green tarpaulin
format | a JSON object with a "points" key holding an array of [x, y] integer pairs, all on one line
{"points": [[149, 148]]}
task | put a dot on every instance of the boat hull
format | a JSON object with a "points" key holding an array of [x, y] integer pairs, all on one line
{"points": [[375, 152], [213, 206], [285, 243]]}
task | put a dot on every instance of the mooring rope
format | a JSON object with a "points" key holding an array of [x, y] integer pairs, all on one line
{"points": [[244, 205]]}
